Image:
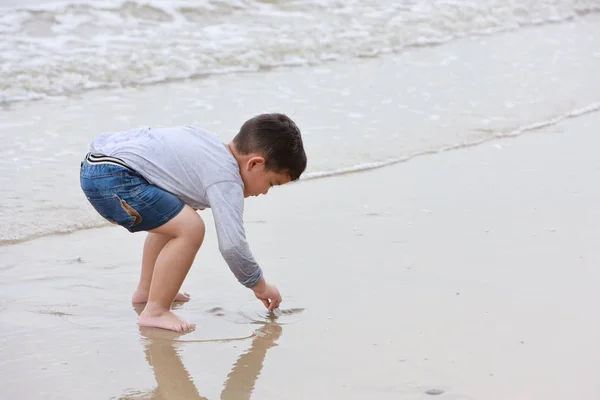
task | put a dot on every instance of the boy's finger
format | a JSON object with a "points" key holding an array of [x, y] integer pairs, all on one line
{"points": [[274, 305], [265, 302]]}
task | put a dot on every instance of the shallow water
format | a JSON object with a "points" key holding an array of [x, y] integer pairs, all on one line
{"points": [[65, 312], [353, 115]]}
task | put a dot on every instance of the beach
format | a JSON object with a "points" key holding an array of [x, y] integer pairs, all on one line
{"points": [[441, 244], [471, 272]]}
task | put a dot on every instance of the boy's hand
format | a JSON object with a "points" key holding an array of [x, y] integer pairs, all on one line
{"points": [[268, 294]]}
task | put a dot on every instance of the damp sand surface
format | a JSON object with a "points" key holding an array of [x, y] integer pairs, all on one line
{"points": [[468, 274]]}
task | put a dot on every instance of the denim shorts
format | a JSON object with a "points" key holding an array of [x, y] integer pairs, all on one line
{"points": [[123, 197]]}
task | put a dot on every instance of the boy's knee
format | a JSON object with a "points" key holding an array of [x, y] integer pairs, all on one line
{"points": [[192, 226], [187, 224], [196, 230]]}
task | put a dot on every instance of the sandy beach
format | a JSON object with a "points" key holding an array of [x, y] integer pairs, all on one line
{"points": [[465, 269], [470, 274]]}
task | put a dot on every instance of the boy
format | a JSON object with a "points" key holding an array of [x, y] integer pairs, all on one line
{"points": [[154, 180]]}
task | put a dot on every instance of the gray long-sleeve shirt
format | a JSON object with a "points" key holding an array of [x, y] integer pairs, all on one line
{"points": [[197, 167]]}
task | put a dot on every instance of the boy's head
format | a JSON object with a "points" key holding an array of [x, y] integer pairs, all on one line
{"points": [[269, 151]]}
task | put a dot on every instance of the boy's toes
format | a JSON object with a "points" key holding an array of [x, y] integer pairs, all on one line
{"points": [[189, 327]]}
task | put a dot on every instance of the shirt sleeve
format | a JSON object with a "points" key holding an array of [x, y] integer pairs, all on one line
{"points": [[227, 204]]}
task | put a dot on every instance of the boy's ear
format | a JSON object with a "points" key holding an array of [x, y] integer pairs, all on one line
{"points": [[255, 161]]}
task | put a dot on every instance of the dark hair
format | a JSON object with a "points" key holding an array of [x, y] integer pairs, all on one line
{"points": [[276, 138]]}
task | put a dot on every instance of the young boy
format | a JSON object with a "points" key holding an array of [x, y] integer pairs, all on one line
{"points": [[154, 180]]}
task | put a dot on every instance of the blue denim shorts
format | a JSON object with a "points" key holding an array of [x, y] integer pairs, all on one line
{"points": [[123, 196]]}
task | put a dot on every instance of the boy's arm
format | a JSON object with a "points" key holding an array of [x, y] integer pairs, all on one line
{"points": [[227, 204]]}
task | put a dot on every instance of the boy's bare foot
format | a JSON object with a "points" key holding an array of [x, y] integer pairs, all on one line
{"points": [[141, 296], [165, 320]]}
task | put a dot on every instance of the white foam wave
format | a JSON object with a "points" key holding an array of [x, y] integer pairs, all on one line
{"points": [[69, 47]]}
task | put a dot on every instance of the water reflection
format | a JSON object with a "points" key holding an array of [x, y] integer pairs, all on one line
{"points": [[174, 381], [240, 381]]}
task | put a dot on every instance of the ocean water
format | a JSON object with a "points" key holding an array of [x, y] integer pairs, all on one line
{"points": [[70, 47], [369, 82]]}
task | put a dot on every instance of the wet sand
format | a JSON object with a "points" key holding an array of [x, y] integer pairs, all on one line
{"points": [[471, 273]]}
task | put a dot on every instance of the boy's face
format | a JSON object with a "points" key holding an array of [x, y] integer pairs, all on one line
{"points": [[257, 180]]}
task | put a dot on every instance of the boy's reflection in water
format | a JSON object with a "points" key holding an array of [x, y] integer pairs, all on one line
{"points": [[174, 381]]}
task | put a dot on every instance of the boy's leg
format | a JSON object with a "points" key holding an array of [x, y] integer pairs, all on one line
{"points": [[152, 247], [186, 231]]}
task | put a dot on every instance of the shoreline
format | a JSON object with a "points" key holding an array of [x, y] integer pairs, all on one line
{"points": [[434, 103], [498, 137]]}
